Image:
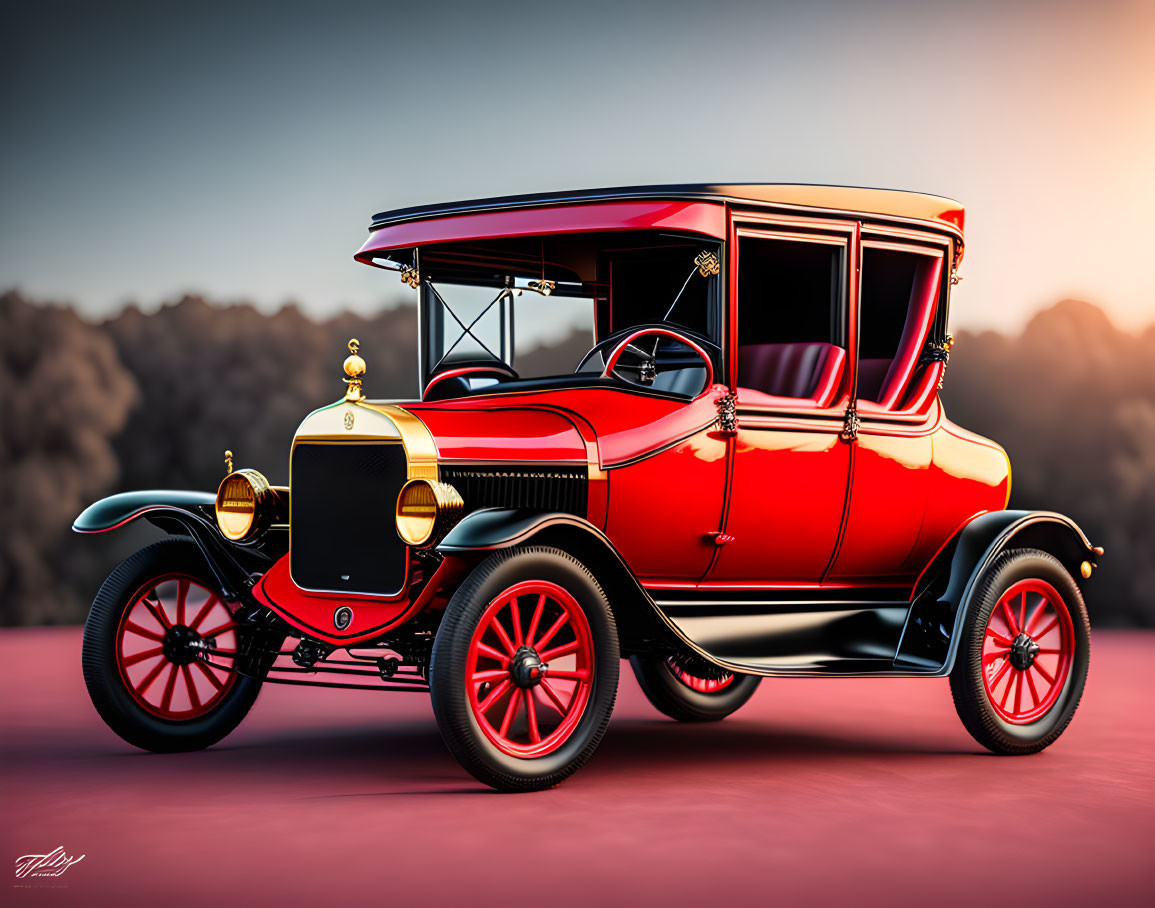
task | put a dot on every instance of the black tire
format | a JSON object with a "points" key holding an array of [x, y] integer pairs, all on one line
{"points": [[971, 699], [102, 675], [449, 666], [673, 697]]}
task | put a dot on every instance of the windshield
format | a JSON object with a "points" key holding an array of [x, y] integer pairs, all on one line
{"points": [[536, 335], [539, 305]]}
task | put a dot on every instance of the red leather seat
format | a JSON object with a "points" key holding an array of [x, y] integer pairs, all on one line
{"points": [[801, 371]]}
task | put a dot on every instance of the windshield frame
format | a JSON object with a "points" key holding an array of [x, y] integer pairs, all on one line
{"points": [[441, 326]]}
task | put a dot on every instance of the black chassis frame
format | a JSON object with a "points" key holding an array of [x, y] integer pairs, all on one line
{"points": [[872, 633]]}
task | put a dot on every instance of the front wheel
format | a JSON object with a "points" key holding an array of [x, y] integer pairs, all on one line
{"points": [[524, 671], [158, 653], [1023, 656], [690, 689]]}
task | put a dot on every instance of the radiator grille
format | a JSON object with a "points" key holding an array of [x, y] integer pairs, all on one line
{"points": [[343, 535], [534, 488]]}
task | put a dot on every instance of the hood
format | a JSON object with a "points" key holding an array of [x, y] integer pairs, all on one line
{"points": [[513, 433]]}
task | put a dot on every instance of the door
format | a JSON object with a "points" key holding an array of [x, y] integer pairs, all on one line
{"points": [[898, 313], [666, 486], [792, 345]]}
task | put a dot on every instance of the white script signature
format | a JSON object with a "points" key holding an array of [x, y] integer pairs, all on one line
{"points": [[52, 864]]}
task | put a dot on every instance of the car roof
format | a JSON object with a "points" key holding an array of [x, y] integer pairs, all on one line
{"points": [[890, 204]]}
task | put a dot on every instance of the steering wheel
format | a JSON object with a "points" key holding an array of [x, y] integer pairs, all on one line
{"points": [[685, 335], [645, 364]]}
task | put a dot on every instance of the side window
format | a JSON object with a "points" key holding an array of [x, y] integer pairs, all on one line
{"points": [[791, 335], [899, 297]]}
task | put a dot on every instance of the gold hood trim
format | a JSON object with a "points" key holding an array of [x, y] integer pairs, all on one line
{"points": [[367, 421]]}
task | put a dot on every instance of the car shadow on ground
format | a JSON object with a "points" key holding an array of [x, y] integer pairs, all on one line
{"points": [[411, 754]]}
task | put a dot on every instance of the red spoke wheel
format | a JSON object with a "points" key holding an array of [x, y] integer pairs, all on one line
{"points": [[175, 646], [159, 651], [524, 669], [702, 681], [530, 668], [1023, 655], [1028, 648], [690, 689]]}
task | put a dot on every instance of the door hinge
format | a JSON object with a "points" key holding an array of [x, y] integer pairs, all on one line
{"points": [[727, 406], [850, 425]]}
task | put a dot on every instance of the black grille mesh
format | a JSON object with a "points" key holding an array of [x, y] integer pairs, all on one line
{"points": [[534, 488], [344, 534]]}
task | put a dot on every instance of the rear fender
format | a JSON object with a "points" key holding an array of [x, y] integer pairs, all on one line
{"points": [[943, 593], [185, 514]]}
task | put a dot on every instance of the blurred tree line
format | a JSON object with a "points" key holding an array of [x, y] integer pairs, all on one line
{"points": [[153, 400]]}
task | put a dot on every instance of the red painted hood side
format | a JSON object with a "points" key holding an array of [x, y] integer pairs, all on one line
{"points": [[503, 430]]}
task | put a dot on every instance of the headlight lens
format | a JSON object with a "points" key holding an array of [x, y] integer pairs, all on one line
{"points": [[426, 510], [242, 504]]}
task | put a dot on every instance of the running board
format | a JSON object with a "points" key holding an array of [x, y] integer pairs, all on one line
{"points": [[800, 635]]}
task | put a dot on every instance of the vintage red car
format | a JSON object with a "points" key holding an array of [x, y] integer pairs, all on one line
{"points": [[747, 473]]}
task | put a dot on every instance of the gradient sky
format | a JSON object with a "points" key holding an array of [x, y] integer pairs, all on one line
{"points": [[238, 150]]}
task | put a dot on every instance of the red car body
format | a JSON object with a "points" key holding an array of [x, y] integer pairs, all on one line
{"points": [[808, 508]]}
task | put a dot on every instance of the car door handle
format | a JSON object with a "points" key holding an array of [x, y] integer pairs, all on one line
{"points": [[719, 538]]}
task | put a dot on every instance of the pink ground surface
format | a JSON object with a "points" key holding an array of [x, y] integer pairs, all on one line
{"points": [[859, 792]]}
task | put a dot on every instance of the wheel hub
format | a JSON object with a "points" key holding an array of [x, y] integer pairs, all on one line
{"points": [[181, 645], [526, 667], [1024, 651]]}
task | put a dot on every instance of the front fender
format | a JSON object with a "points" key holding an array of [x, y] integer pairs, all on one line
{"points": [[500, 528], [640, 622], [182, 513], [115, 511], [943, 593]]}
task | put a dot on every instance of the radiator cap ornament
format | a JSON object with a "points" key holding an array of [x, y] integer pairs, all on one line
{"points": [[354, 369]]}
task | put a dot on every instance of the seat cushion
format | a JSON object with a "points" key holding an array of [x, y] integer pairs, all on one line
{"points": [[797, 370]]}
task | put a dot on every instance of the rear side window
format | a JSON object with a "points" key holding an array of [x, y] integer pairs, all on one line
{"points": [[899, 297]]}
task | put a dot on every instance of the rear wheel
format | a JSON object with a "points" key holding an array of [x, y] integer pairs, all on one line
{"points": [[1023, 657], [524, 671], [158, 653], [690, 689]]}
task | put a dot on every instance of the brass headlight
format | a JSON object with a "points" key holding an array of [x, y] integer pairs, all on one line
{"points": [[426, 510], [243, 506]]}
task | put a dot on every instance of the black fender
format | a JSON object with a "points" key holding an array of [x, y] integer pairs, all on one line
{"points": [[942, 594], [641, 625], [187, 514]]}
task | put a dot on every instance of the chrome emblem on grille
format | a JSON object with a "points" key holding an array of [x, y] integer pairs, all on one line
{"points": [[349, 420], [342, 618]]}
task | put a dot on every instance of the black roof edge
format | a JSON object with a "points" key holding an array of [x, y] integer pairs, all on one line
{"points": [[715, 192]]}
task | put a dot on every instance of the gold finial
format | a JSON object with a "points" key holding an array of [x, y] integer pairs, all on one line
{"points": [[228, 462], [354, 368], [708, 264]]}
